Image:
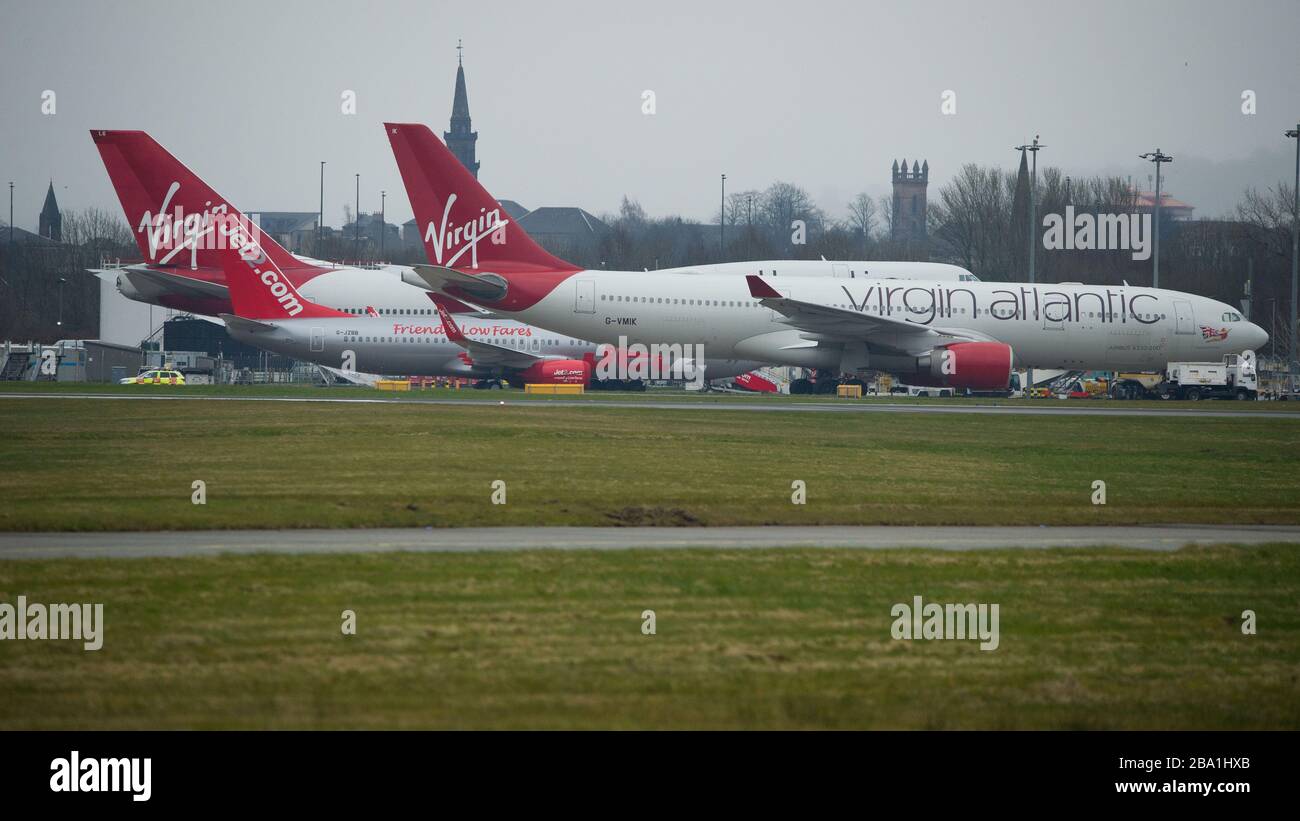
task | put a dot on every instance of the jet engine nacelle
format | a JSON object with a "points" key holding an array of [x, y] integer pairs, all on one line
{"points": [[130, 289], [553, 372], [979, 366]]}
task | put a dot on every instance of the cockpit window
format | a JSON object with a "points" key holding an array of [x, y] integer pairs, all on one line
{"points": [[1232, 316]]}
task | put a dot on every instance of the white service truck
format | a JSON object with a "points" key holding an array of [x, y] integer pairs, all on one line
{"points": [[1233, 378]]}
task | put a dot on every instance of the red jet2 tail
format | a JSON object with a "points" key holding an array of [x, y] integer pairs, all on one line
{"points": [[258, 287], [170, 210], [463, 226]]}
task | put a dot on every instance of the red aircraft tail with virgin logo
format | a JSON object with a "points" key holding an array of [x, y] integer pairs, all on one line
{"points": [[258, 287], [172, 213], [463, 226]]}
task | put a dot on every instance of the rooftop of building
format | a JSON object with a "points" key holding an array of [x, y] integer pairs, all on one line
{"points": [[23, 237], [562, 220]]}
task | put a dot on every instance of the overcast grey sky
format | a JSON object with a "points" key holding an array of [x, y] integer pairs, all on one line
{"points": [[822, 94]]}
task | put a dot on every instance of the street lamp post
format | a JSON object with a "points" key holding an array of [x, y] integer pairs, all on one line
{"points": [[1159, 158], [1272, 326], [1295, 255], [722, 219], [1033, 232], [1033, 184], [356, 235], [320, 219], [62, 281], [383, 224], [11, 213]]}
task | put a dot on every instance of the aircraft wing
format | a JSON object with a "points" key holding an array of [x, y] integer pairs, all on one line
{"points": [[157, 280], [485, 353], [840, 324]]}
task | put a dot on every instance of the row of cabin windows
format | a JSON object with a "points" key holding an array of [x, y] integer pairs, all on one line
{"points": [[508, 343], [392, 311], [703, 303], [1227, 317], [853, 274], [875, 309]]}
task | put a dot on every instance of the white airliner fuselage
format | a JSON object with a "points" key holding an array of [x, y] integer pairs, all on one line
{"points": [[421, 347], [1047, 326], [394, 290]]}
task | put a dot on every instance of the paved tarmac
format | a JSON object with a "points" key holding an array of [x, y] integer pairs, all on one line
{"points": [[216, 542]]}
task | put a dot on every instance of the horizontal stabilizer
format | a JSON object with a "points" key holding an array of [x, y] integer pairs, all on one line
{"points": [[250, 326], [474, 287], [158, 280]]}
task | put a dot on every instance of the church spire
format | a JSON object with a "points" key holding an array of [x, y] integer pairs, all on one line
{"points": [[460, 105], [51, 220], [461, 138]]}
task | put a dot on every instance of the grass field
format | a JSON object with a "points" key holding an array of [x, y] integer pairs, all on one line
{"points": [[755, 638], [92, 465], [779, 638]]}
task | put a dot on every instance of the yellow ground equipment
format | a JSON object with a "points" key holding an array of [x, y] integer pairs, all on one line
{"points": [[565, 390]]}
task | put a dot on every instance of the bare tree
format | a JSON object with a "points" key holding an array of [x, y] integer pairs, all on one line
{"points": [[742, 205], [1268, 215], [972, 217], [783, 203], [631, 214], [886, 211], [95, 227], [862, 216]]}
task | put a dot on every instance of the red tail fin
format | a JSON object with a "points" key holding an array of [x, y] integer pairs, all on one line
{"points": [[171, 211], [258, 287], [448, 324], [463, 225]]}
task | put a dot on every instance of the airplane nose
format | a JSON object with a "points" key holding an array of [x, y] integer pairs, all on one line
{"points": [[1257, 336]]}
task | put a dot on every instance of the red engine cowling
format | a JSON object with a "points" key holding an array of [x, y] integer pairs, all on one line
{"points": [[553, 372], [753, 382], [980, 366]]}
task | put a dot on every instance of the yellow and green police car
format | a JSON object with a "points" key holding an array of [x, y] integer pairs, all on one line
{"points": [[155, 378]]}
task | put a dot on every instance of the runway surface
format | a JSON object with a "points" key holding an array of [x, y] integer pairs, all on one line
{"points": [[840, 406], [216, 542]]}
